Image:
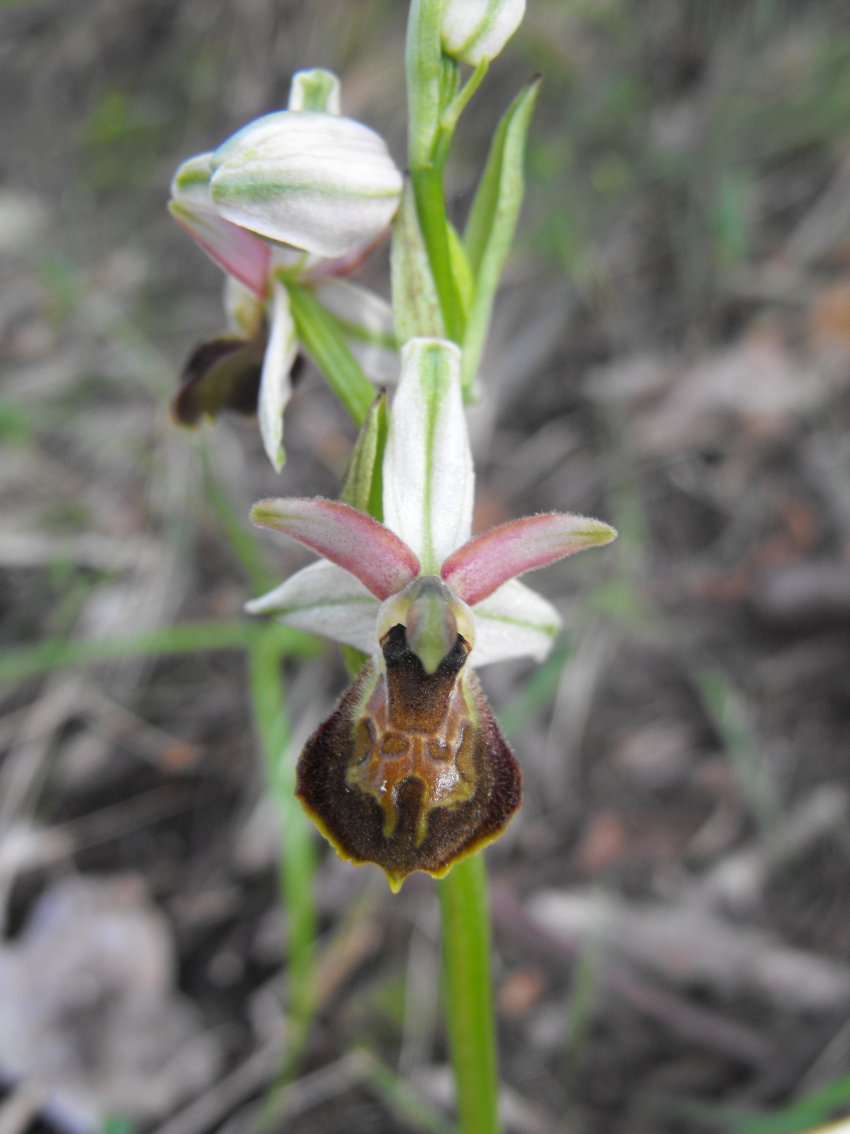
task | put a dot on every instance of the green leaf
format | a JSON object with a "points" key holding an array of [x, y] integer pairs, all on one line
{"points": [[492, 222], [461, 271], [321, 337], [363, 486], [416, 305]]}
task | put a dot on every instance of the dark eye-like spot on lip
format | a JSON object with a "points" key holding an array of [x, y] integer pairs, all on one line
{"points": [[397, 652]]}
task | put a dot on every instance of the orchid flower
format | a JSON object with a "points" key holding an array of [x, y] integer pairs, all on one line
{"points": [[297, 197], [411, 771]]}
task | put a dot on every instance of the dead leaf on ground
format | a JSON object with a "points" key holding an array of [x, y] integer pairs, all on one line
{"points": [[90, 1021]]}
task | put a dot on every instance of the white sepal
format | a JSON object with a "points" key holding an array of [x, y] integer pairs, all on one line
{"points": [[275, 381], [514, 622], [428, 475], [317, 181], [473, 30], [326, 600]]}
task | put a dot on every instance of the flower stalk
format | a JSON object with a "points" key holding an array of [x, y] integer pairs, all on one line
{"points": [[468, 995]]}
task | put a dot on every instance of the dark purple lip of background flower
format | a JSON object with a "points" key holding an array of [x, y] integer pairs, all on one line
{"points": [[223, 374]]}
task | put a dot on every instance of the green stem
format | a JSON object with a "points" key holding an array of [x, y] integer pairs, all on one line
{"points": [[454, 109], [431, 209], [468, 994], [297, 867]]}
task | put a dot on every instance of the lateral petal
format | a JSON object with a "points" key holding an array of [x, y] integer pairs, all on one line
{"points": [[351, 539], [326, 600], [475, 570], [276, 381], [514, 622], [428, 475]]}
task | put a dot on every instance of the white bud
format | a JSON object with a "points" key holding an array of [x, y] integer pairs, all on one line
{"points": [[317, 181], [473, 30]]}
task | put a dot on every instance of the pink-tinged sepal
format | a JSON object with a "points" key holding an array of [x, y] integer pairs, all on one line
{"points": [[411, 771], [478, 568], [241, 253], [382, 562]]}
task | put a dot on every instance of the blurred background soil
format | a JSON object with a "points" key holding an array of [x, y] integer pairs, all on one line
{"points": [[671, 352]]}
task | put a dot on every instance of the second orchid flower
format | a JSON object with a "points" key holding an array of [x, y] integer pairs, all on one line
{"points": [[297, 198]]}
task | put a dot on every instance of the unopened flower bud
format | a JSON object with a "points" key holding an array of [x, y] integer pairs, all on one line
{"points": [[320, 182], [473, 30]]}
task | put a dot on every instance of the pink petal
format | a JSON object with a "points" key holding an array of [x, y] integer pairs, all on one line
{"points": [[475, 570], [382, 562], [239, 252]]}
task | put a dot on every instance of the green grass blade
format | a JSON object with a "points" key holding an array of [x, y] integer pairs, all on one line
{"points": [[403, 1100], [536, 693], [297, 864], [53, 654], [243, 543]]}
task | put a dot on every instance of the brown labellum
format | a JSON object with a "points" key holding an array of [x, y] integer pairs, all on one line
{"points": [[411, 771], [220, 374]]}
